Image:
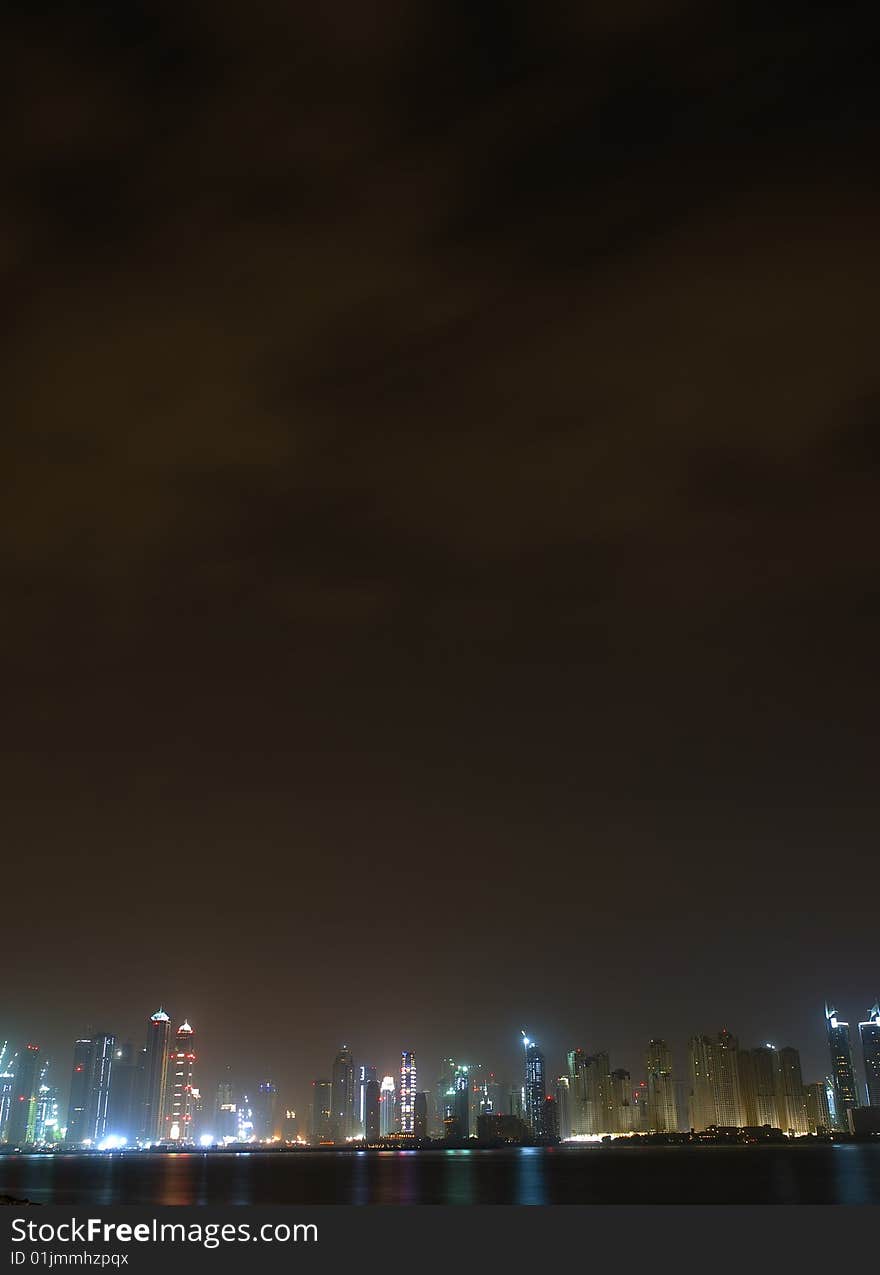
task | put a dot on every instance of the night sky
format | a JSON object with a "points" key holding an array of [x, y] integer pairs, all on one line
{"points": [[439, 531]]}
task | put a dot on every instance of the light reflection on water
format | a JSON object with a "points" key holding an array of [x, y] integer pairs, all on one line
{"points": [[845, 1174]]}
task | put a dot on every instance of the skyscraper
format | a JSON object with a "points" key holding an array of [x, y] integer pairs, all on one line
{"points": [[47, 1116], [387, 1105], [322, 1111], [7, 1084], [24, 1090], [342, 1095], [662, 1116], [126, 1092], [372, 1124], [460, 1105], [101, 1072], [180, 1096], [80, 1085], [420, 1115], [715, 1097], [265, 1109], [846, 1096], [577, 1064], [760, 1085], [535, 1089], [790, 1103], [408, 1084], [622, 1108], [156, 1076], [364, 1075], [819, 1119], [563, 1106], [869, 1033]]}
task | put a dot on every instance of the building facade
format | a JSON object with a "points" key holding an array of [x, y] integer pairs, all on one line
{"points": [[156, 1076], [408, 1087], [869, 1034], [846, 1097]]}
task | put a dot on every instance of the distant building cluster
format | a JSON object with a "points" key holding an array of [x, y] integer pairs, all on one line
{"points": [[121, 1095]]}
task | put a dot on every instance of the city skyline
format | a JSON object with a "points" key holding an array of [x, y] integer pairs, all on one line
{"points": [[728, 1082]]}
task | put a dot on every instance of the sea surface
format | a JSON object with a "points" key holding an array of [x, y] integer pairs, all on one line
{"points": [[826, 1174]]}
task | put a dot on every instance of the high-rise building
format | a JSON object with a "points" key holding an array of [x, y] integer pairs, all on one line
{"points": [[265, 1108], [80, 1086], [623, 1112], [103, 1048], [126, 1092], [47, 1110], [387, 1107], [577, 1086], [321, 1129], [563, 1106], [19, 1126], [180, 1114], [156, 1076], [869, 1033], [662, 1116], [342, 1095], [364, 1075], [444, 1090], [408, 1084], [715, 1097], [819, 1119], [420, 1115], [459, 1109], [599, 1107], [7, 1084], [372, 1123], [535, 1089], [790, 1103], [846, 1097], [226, 1109], [759, 1083]]}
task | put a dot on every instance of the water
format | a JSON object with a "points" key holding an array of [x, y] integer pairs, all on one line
{"points": [[848, 1174]]}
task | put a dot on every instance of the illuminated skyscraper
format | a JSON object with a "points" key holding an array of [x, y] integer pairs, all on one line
{"points": [[790, 1103], [322, 1111], [870, 1037], [577, 1065], [387, 1107], [372, 1122], [760, 1084], [7, 1084], [47, 1113], [181, 1109], [623, 1111], [662, 1116], [408, 1085], [819, 1118], [420, 1115], [266, 1112], [126, 1092], [342, 1095], [156, 1076], [846, 1096], [563, 1106], [535, 1089], [460, 1106], [101, 1072], [600, 1115], [80, 1086], [20, 1124], [715, 1097], [364, 1075]]}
